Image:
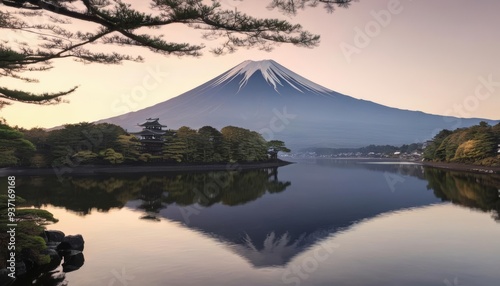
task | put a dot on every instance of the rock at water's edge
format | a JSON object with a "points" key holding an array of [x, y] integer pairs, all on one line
{"points": [[73, 260], [54, 235], [72, 242]]}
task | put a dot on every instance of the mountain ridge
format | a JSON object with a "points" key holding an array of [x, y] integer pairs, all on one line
{"points": [[266, 97]]}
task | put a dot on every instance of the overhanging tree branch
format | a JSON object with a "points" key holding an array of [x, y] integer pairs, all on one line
{"points": [[119, 23]]}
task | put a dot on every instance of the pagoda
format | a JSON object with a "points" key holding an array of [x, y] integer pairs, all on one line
{"points": [[151, 136]]}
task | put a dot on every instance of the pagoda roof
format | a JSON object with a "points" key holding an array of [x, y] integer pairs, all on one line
{"points": [[152, 122], [149, 132]]}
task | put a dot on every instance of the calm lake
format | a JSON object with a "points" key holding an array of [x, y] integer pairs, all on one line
{"points": [[316, 222]]}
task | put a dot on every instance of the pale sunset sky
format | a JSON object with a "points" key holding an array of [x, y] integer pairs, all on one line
{"points": [[439, 57]]}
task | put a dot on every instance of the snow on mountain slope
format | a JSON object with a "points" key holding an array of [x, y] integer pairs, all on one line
{"points": [[274, 73]]}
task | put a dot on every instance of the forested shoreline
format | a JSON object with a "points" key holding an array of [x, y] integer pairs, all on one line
{"points": [[107, 144], [475, 145]]}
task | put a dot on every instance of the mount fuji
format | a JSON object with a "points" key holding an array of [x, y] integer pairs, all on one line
{"points": [[266, 97]]}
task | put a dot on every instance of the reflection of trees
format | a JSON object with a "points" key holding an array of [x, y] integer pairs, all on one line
{"points": [[83, 194], [151, 193], [229, 188], [78, 194], [478, 191]]}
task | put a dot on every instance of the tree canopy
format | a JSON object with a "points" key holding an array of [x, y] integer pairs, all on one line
{"points": [[103, 144], [474, 145], [118, 23], [276, 146], [13, 147]]}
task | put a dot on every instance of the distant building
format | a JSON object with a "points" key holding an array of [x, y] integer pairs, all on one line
{"points": [[151, 136]]}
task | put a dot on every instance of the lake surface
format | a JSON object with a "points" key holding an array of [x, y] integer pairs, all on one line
{"points": [[316, 222]]}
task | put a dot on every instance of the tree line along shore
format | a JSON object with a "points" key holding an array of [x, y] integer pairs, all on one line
{"points": [[476, 145], [89, 145], [103, 144]]}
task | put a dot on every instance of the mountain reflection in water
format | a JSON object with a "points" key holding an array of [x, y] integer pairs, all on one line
{"points": [[265, 216]]}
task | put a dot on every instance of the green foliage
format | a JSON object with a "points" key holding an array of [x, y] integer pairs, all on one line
{"points": [[8, 158], [244, 145], [477, 191], [430, 151], [112, 156], [78, 143], [129, 146], [14, 149], [38, 161], [88, 143], [189, 140], [208, 145], [85, 157], [211, 145], [29, 244], [35, 213], [176, 146], [474, 145], [275, 146], [410, 148], [146, 157]]}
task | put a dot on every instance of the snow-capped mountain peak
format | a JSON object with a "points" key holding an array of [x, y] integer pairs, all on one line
{"points": [[270, 99], [275, 74]]}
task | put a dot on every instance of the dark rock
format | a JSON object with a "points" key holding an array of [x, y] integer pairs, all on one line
{"points": [[4, 277], [53, 245], [20, 269], [72, 242], [29, 264], [55, 259], [73, 260], [54, 235]]}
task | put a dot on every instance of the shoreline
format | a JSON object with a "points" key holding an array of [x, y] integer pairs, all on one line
{"points": [[130, 169], [463, 167], [469, 168]]}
